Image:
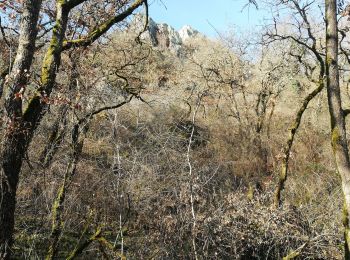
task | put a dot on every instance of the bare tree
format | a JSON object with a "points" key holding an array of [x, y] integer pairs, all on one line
{"points": [[338, 128], [304, 35], [21, 124]]}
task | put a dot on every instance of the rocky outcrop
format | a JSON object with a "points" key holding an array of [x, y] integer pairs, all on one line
{"points": [[163, 35], [187, 32]]}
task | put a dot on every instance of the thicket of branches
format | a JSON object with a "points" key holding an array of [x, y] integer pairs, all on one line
{"points": [[114, 148]]}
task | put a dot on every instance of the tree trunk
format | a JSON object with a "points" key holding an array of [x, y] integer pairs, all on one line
{"points": [[55, 137], [59, 126], [338, 130], [13, 147], [58, 205], [282, 178], [20, 126]]}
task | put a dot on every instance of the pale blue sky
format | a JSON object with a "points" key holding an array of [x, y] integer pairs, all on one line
{"points": [[220, 13]]}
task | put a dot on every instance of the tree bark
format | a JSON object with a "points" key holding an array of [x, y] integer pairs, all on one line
{"points": [[20, 125], [58, 205], [59, 126], [287, 149], [338, 129], [55, 137], [13, 147]]}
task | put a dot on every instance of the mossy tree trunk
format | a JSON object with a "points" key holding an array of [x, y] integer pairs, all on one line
{"points": [[56, 137], [338, 129], [58, 205], [13, 143], [287, 149], [59, 127], [20, 125]]}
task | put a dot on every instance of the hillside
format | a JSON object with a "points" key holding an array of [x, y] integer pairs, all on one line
{"points": [[126, 140]]}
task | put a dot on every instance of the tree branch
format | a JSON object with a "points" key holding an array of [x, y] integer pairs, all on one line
{"points": [[90, 115], [103, 28]]}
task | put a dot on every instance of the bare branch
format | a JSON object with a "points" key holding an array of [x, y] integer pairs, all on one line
{"points": [[103, 28]]}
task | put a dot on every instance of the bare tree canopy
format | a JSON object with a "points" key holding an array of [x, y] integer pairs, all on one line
{"points": [[125, 138]]}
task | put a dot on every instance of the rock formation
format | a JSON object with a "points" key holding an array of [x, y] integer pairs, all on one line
{"points": [[162, 35]]}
